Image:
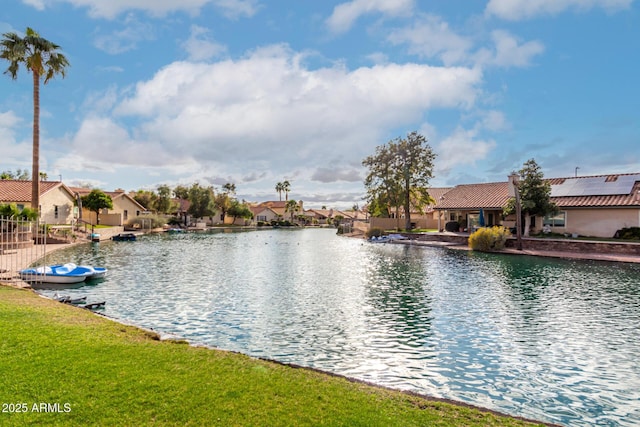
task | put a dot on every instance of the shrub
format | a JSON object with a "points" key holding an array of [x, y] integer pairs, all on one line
{"points": [[489, 239], [375, 232], [628, 233]]}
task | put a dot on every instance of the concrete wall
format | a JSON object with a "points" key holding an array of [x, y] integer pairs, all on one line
{"points": [[596, 222], [427, 221], [63, 201]]}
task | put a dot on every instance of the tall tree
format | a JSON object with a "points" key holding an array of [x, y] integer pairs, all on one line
{"points": [[399, 175], [280, 189], [201, 201], [43, 60], [535, 194], [146, 198], [286, 187], [224, 200], [292, 207], [163, 201], [97, 200]]}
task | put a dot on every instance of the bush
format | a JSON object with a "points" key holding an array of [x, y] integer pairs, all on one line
{"points": [[146, 221], [375, 232], [452, 226], [628, 233], [489, 239]]}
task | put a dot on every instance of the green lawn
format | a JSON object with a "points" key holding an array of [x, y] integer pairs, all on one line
{"points": [[93, 371]]}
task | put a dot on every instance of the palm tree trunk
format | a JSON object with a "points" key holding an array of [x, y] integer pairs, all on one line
{"points": [[35, 171]]}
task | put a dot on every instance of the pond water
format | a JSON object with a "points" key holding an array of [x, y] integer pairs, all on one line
{"points": [[552, 340]]}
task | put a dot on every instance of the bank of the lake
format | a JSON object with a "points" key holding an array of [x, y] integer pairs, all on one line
{"points": [[63, 366]]}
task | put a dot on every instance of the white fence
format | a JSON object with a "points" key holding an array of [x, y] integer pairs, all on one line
{"points": [[18, 248]]}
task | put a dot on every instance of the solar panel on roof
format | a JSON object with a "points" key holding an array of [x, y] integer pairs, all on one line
{"points": [[594, 186]]}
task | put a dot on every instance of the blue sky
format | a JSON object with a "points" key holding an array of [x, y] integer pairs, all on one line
{"points": [[255, 92]]}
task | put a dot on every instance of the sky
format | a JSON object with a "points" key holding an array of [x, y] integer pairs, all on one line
{"points": [[255, 92]]}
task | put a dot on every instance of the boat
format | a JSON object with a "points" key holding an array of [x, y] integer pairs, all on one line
{"points": [[68, 300], [387, 238], [47, 274], [124, 237], [89, 271], [62, 273]]}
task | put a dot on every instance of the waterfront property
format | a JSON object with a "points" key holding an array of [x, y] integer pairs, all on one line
{"points": [[595, 206], [555, 340], [56, 199]]}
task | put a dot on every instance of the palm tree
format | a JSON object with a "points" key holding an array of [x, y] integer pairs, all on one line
{"points": [[286, 187], [292, 206], [280, 189], [42, 59]]}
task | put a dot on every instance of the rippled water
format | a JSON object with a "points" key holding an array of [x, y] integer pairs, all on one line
{"points": [[546, 339]]}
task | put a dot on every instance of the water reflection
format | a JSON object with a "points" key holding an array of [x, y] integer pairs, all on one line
{"points": [[548, 339]]}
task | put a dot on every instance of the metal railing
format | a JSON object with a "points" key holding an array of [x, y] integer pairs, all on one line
{"points": [[21, 243]]}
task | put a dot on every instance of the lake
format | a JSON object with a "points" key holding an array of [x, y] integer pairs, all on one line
{"points": [[548, 339]]}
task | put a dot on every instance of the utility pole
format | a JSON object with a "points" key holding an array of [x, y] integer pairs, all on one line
{"points": [[513, 178]]}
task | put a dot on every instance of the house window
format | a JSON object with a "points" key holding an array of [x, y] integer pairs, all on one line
{"points": [[557, 220], [126, 214], [452, 216], [55, 212], [262, 218], [137, 213]]}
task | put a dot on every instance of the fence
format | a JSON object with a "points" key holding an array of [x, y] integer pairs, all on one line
{"points": [[18, 248]]}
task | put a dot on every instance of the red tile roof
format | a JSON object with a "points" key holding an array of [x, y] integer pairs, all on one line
{"points": [[495, 195], [19, 191]]}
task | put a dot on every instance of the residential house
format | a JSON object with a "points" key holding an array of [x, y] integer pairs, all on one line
{"points": [[595, 206], [124, 208], [274, 211], [56, 199]]}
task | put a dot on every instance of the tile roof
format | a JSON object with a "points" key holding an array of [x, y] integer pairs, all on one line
{"points": [[495, 195], [19, 191]]}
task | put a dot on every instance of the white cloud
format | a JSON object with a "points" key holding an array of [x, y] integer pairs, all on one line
{"points": [[200, 46], [515, 10], [508, 52], [430, 37], [269, 113], [127, 38], [13, 151], [109, 9], [344, 15], [462, 147]]}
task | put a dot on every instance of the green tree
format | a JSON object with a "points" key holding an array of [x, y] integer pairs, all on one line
{"points": [[223, 200], [201, 201], [181, 192], [535, 194], [95, 201], [18, 175], [292, 207], [286, 187], [399, 175], [279, 189], [146, 198], [42, 59], [239, 210], [12, 211], [163, 202]]}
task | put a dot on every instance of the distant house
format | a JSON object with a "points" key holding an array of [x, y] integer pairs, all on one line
{"points": [[124, 208], [273, 211], [56, 199], [595, 206]]}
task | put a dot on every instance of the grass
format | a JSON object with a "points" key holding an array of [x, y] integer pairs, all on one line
{"points": [[94, 371]]}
